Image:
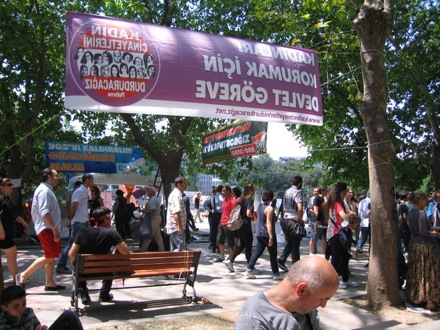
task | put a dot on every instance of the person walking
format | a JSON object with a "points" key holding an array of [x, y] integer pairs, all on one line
{"points": [[79, 215], [152, 212], [197, 201], [176, 216], [120, 213], [266, 235], [9, 216], [46, 216], [292, 212]]}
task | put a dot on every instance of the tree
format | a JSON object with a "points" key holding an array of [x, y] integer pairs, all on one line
{"points": [[373, 25]]}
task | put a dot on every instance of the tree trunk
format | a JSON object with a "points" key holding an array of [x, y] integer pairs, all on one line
{"points": [[373, 23]]}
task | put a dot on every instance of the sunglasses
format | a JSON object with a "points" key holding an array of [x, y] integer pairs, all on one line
{"points": [[8, 185]]}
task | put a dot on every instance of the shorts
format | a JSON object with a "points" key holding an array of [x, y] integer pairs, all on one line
{"points": [[225, 234], [51, 248], [7, 243], [320, 233]]}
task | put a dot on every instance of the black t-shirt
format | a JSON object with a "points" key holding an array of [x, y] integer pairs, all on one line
{"points": [[9, 215], [317, 201], [197, 203], [97, 240], [247, 204]]}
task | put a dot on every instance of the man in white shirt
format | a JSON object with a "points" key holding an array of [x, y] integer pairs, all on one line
{"points": [[176, 216], [46, 216], [79, 218]]}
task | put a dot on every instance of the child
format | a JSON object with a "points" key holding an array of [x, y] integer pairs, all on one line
{"points": [[16, 316]]}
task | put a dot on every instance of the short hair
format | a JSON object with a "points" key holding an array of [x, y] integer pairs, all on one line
{"points": [[179, 179], [5, 181], [402, 194], [86, 176], [303, 271], [219, 188], [236, 191], [46, 173], [98, 213], [77, 184], [267, 195], [228, 188], [12, 293], [119, 192], [296, 180]]}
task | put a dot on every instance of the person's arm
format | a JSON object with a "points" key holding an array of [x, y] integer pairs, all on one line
{"points": [[23, 223], [122, 248], [179, 224], [268, 211], [51, 224], [73, 252], [300, 213], [101, 201], [73, 208]]}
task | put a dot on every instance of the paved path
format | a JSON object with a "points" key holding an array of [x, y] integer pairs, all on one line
{"points": [[226, 292]]}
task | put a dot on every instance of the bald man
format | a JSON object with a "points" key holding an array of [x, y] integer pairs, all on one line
{"points": [[293, 303]]}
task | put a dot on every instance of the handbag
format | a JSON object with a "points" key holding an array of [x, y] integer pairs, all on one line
{"points": [[145, 228], [345, 236], [299, 230]]}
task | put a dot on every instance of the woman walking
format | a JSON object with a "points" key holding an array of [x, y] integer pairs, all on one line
{"points": [[8, 217], [266, 236]]}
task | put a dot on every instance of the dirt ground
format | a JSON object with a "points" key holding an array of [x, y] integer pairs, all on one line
{"points": [[400, 314]]}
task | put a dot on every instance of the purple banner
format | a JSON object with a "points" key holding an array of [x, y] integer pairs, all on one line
{"points": [[116, 65]]}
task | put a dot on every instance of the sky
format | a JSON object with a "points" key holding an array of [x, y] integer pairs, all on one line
{"points": [[281, 143]]}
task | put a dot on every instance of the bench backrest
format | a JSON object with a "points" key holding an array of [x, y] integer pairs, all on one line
{"points": [[89, 264]]}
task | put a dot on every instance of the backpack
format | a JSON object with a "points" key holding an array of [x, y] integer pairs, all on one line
{"points": [[235, 219]]}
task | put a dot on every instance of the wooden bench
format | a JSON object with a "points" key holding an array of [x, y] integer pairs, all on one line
{"points": [[182, 264]]}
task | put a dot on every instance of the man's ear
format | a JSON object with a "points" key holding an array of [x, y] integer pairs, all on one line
{"points": [[4, 308], [301, 289]]}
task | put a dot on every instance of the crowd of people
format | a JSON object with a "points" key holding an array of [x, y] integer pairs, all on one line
{"points": [[339, 218]]}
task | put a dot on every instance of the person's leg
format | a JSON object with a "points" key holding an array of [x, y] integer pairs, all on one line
{"points": [[11, 257], [156, 232], [230, 239], [62, 261], [296, 242], [104, 293], [273, 256], [261, 245], [363, 238], [345, 258], [286, 251], [36, 265], [248, 239], [336, 253], [49, 269], [68, 320], [313, 238]]}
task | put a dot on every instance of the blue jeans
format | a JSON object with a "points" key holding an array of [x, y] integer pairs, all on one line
{"points": [[365, 234], [262, 243], [178, 242], [68, 320], [75, 228]]}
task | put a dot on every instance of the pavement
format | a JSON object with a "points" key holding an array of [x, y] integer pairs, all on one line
{"points": [[225, 293]]}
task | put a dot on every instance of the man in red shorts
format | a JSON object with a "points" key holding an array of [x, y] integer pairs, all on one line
{"points": [[46, 216]]}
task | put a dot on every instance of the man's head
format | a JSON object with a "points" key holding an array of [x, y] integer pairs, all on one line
{"points": [[297, 181], [313, 281], [100, 217], [227, 191], [219, 189], [13, 300], [87, 180], [50, 176], [151, 190], [180, 183], [315, 191]]}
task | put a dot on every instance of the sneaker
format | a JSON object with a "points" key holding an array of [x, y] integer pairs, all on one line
{"points": [[257, 271], [350, 284], [250, 274], [342, 286], [276, 276], [229, 265], [282, 265], [105, 297], [18, 281], [220, 259], [63, 270], [354, 255]]}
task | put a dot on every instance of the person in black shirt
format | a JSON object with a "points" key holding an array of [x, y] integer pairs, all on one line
{"points": [[99, 238]]}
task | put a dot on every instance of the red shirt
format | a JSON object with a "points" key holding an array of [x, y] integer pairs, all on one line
{"points": [[228, 205], [337, 207]]}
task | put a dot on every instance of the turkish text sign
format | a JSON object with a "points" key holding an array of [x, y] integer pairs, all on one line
{"points": [[118, 65], [239, 139], [91, 158]]}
